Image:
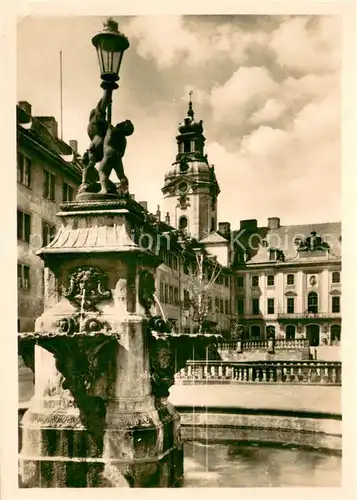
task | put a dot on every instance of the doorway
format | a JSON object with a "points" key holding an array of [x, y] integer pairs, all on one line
{"points": [[313, 334]]}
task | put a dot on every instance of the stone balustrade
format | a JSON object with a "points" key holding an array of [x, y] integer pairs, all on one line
{"points": [[273, 372], [263, 344]]}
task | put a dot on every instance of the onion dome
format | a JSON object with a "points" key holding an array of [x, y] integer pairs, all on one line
{"points": [[190, 125]]}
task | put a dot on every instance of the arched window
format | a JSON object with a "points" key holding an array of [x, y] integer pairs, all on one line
{"points": [[335, 334], [336, 277], [183, 222], [187, 146], [313, 302], [290, 332], [255, 332]]}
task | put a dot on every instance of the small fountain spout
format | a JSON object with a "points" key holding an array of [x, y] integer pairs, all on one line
{"points": [[160, 307], [82, 309]]}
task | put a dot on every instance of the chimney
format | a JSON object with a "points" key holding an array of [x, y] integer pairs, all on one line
{"points": [[158, 213], [224, 228], [273, 223], [144, 204], [249, 224], [167, 218], [74, 145], [50, 123], [26, 106], [132, 196]]}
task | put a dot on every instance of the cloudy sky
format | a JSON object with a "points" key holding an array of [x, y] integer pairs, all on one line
{"points": [[267, 88]]}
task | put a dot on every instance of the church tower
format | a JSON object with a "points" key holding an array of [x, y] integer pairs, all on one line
{"points": [[191, 188]]}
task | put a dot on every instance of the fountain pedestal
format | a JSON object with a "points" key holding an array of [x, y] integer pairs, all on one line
{"points": [[100, 415]]}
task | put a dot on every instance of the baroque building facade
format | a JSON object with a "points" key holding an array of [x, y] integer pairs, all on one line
{"points": [[289, 278], [48, 172]]}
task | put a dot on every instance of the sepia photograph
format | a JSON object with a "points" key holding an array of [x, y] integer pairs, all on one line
{"points": [[179, 251]]}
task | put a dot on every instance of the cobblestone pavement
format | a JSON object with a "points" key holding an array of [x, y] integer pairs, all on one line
{"points": [[292, 397]]}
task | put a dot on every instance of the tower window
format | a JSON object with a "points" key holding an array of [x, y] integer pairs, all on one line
{"points": [[187, 147]]}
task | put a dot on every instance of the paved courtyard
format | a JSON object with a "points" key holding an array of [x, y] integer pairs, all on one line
{"points": [[293, 397]]}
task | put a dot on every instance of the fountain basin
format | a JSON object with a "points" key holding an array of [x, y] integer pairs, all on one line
{"points": [[232, 464]]}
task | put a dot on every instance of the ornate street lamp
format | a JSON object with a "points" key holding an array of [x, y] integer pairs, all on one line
{"points": [[110, 45]]}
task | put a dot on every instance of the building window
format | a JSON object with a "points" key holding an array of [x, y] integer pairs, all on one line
{"points": [[226, 307], [255, 306], [23, 226], [255, 332], [255, 280], [166, 293], [240, 306], [176, 295], [336, 277], [216, 305], [290, 305], [312, 303], [335, 333], [49, 186], [23, 276], [162, 293], [48, 233], [171, 295], [209, 304], [221, 306], [336, 304], [240, 282], [290, 332], [271, 278], [23, 170], [290, 279], [186, 299], [270, 306], [226, 281], [67, 192]]}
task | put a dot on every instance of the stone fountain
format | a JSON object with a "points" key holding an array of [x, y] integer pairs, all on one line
{"points": [[103, 361]]}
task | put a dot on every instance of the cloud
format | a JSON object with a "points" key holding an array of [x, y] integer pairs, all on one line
{"points": [[243, 93], [308, 45], [271, 111], [172, 40]]}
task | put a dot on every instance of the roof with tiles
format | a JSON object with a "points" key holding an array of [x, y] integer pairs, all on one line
{"points": [[34, 128], [286, 238]]}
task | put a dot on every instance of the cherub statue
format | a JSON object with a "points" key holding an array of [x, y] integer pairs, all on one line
{"points": [[114, 148], [97, 128]]}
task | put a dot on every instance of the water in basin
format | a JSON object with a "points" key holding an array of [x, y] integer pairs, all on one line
{"points": [[234, 465]]}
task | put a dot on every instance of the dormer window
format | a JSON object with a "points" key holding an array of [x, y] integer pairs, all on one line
{"points": [[272, 254]]}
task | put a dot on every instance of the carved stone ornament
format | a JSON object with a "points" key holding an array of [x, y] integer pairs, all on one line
{"points": [[313, 280], [146, 289], [183, 202], [311, 244], [87, 287], [88, 323]]}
